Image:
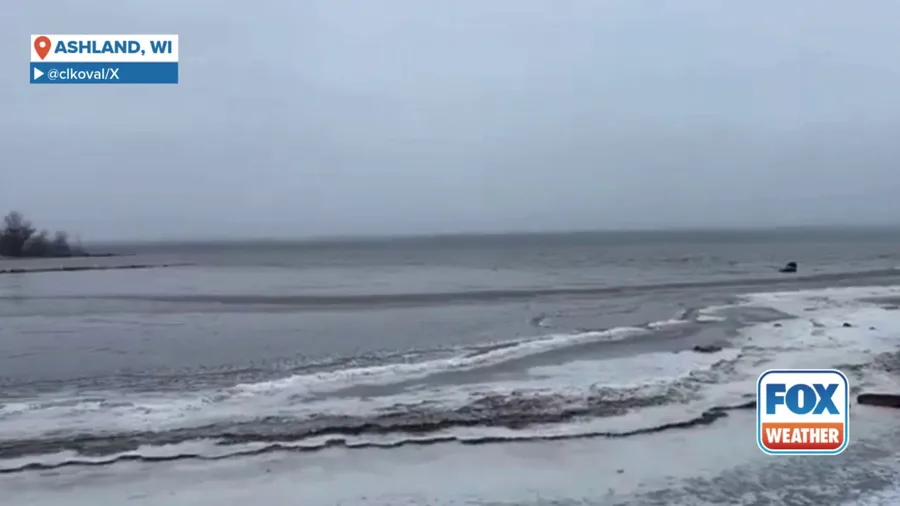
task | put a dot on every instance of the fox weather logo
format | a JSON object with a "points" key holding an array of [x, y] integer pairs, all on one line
{"points": [[802, 412]]}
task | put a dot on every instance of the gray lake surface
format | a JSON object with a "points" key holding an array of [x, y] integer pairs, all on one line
{"points": [[524, 369]]}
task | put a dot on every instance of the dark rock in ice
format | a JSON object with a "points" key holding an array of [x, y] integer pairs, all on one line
{"points": [[711, 348], [882, 400], [789, 267]]}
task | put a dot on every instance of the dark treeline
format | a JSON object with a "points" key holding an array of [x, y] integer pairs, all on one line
{"points": [[18, 238]]}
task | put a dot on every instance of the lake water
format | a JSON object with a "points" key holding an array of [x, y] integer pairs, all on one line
{"points": [[480, 370]]}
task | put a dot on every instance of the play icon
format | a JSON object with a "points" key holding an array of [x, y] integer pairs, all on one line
{"points": [[36, 73]]}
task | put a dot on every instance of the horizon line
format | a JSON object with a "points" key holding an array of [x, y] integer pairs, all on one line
{"points": [[349, 238]]}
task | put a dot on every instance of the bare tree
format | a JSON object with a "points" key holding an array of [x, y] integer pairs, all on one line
{"points": [[60, 244], [18, 239], [16, 232], [38, 245]]}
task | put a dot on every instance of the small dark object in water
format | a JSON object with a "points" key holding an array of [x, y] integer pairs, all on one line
{"points": [[707, 349], [883, 400], [789, 267], [846, 325], [776, 324]]}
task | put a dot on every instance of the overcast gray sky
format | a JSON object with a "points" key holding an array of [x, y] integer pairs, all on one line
{"points": [[406, 116]]}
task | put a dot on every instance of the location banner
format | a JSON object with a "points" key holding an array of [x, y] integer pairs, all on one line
{"points": [[104, 59]]}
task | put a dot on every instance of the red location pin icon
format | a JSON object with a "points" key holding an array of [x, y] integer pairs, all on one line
{"points": [[42, 46]]}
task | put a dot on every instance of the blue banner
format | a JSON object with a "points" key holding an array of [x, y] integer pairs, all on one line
{"points": [[104, 73]]}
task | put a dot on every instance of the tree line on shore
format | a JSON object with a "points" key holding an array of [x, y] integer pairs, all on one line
{"points": [[19, 239]]}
